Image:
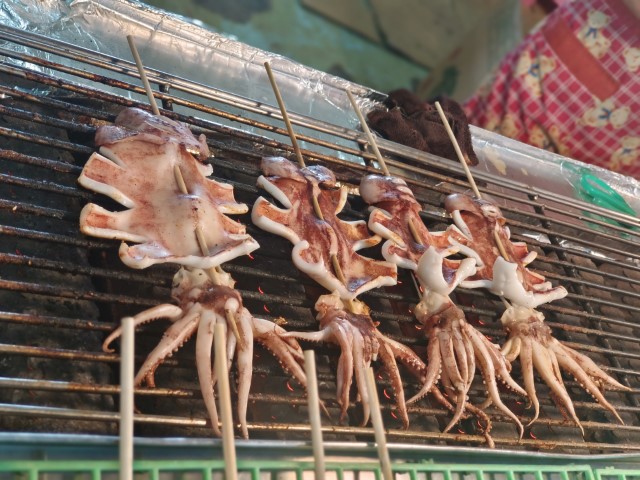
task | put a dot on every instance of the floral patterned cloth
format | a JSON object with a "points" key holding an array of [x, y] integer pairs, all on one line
{"points": [[572, 87]]}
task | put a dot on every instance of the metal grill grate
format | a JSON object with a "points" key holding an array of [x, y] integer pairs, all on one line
{"points": [[60, 292]]}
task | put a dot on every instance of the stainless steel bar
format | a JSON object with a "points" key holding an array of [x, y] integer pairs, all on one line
{"points": [[45, 141], [581, 268], [108, 62], [52, 237], [89, 415], [57, 353], [39, 320], [45, 120], [53, 165], [80, 269], [20, 208], [335, 147], [45, 186], [60, 291], [252, 274]]}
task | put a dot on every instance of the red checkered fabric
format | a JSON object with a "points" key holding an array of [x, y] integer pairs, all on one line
{"points": [[572, 86]]}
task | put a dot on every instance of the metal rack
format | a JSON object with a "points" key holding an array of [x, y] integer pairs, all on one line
{"points": [[60, 292]]}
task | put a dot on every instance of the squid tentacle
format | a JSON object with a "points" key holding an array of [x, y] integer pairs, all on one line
{"points": [[489, 375], [173, 338], [166, 310]]}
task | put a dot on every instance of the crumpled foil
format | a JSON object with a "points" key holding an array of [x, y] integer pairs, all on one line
{"points": [[176, 46], [182, 47]]}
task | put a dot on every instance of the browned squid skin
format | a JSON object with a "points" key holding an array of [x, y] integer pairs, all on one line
{"points": [[155, 168], [138, 170], [396, 208], [479, 222], [361, 343], [134, 122], [316, 239], [455, 349], [201, 305], [529, 338]]}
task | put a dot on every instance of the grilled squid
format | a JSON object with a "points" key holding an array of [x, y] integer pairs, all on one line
{"points": [[325, 248], [154, 167], [455, 349], [528, 337]]}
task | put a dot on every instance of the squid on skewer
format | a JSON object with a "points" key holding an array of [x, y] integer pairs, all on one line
{"points": [[529, 338], [173, 213], [455, 348], [325, 248]]}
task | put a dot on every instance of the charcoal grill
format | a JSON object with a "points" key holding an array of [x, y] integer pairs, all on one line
{"points": [[61, 292]]}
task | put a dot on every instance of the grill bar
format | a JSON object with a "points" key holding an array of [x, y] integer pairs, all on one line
{"points": [[399, 435], [118, 65], [47, 139]]}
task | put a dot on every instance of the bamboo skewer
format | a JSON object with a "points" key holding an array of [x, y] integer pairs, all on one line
{"points": [[376, 417], [285, 116], [224, 399], [228, 440], [294, 143], [214, 273], [458, 151], [370, 137], [378, 426], [143, 76], [126, 399], [467, 172], [472, 182], [313, 402], [127, 369]]}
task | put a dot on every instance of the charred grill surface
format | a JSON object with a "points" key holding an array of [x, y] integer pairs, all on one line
{"points": [[62, 292]]}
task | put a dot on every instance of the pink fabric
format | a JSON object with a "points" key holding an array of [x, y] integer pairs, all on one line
{"points": [[572, 86]]}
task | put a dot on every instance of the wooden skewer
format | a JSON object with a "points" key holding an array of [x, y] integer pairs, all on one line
{"points": [[285, 116], [127, 370], [221, 370], [143, 76], [177, 173], [414, 232], [313, 405], [378, 426], [224, 398], [126, 399], [472, 182], [292, 135], [316, 208], [340, 274], [384, 168], [296, 148], [182, 186], [467, 172], [202, 243], [456, 147], [370, 137]]}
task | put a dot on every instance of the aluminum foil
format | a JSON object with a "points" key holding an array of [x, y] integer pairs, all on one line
{"points": [[181, 47], [172, 44]]}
